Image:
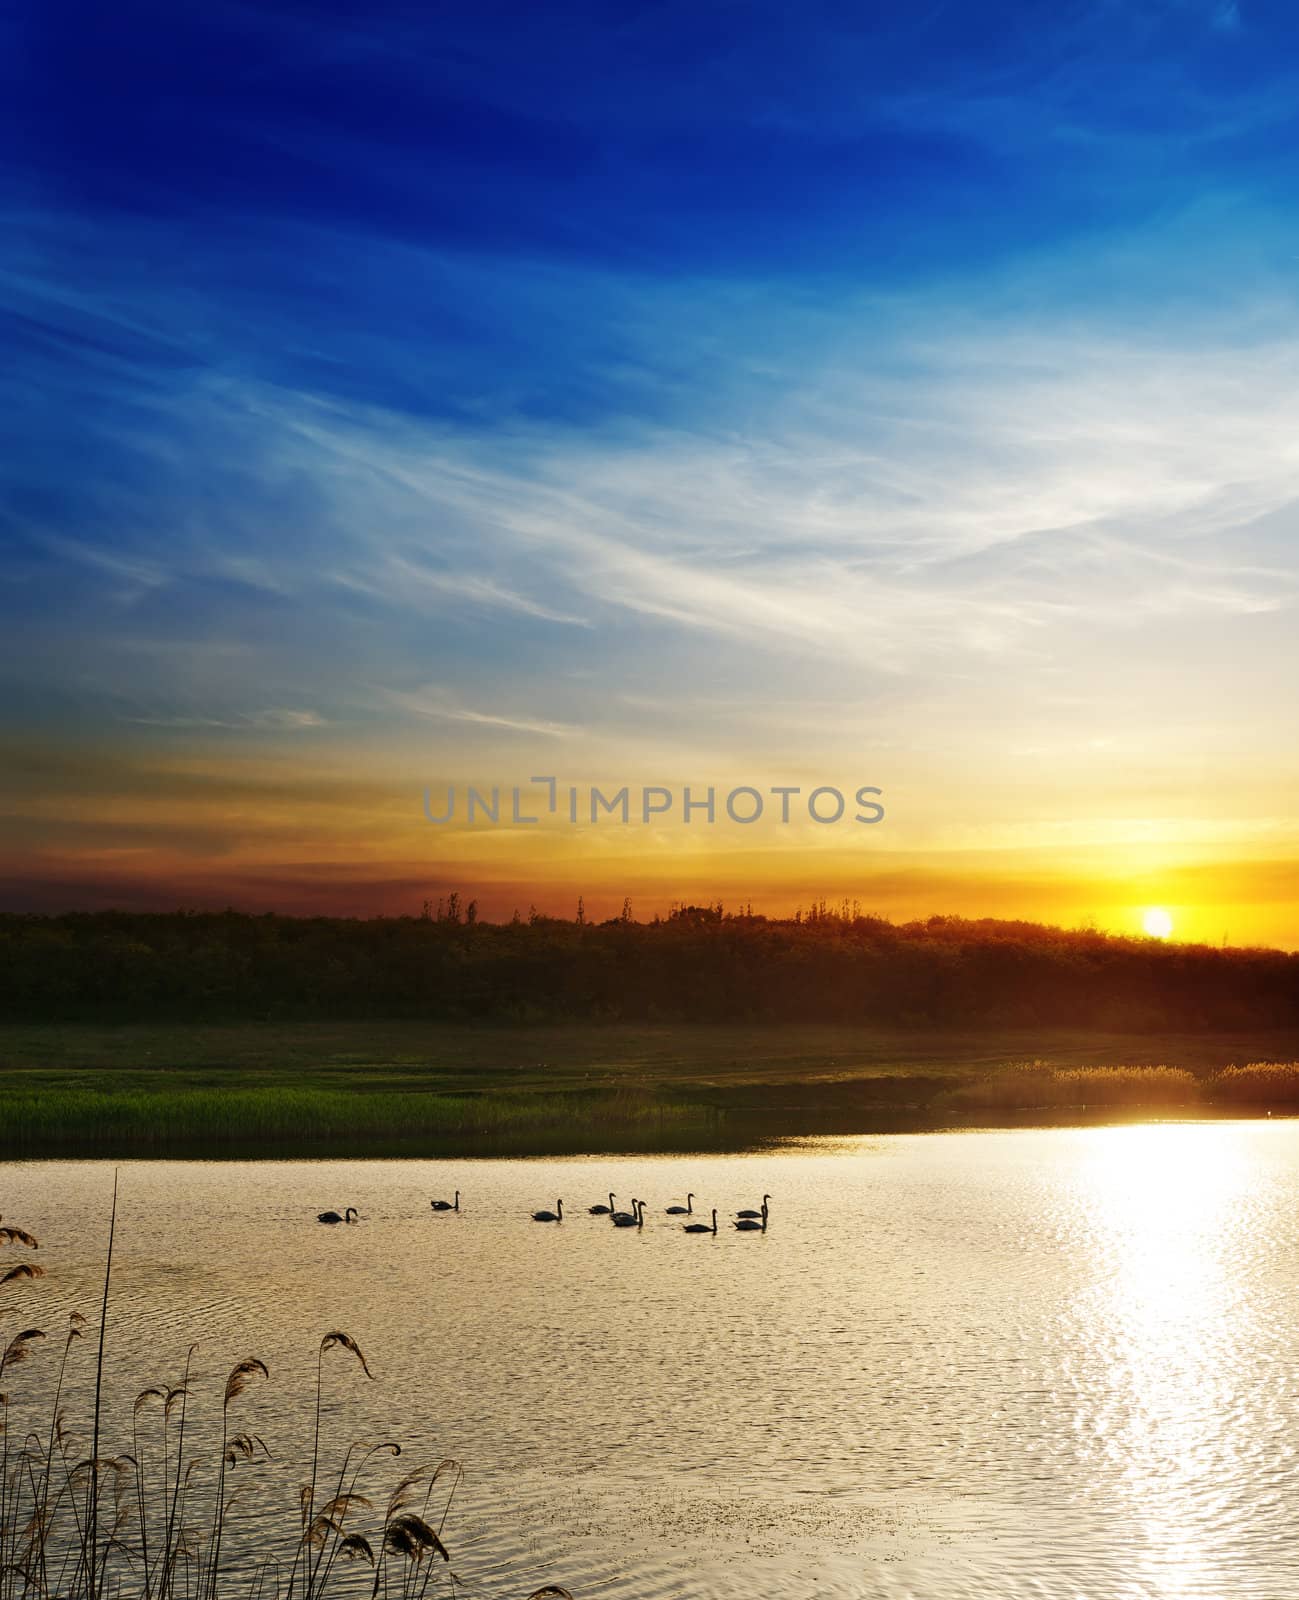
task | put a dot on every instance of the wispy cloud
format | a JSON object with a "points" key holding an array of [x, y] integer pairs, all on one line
{"points": [[437, 705], [996, 493], [986, 497], [280, 719], [406, 582]]}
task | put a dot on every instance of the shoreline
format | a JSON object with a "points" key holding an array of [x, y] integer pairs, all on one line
{"points": [[401, 1089], [734, 1132]]}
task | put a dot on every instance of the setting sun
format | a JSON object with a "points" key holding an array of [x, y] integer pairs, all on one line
{"points": [[1157, 923]]}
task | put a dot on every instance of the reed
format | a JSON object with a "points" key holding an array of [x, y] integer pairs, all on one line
{"points": [[137, 1525], [1033, 1085], [1258, 1083]]}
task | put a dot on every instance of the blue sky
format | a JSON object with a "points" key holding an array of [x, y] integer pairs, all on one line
{"points": [[421, 391]]}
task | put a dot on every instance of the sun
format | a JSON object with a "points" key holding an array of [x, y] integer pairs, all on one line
{"points": [[1157, 923]]}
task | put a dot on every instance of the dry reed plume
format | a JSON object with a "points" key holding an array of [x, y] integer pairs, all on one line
{"points": [[1033, 1085]]}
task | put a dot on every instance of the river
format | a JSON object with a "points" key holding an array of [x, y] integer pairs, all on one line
{"points": [[1054, 1363]]}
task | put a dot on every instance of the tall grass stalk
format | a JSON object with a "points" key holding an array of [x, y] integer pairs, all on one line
{"points": [[92, 1511]]}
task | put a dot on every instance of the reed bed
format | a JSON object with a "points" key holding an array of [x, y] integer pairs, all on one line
{"points": [[1258, 1083], [152, 1519], [1039, 1085], [158, 1120], [1033, 1085]]}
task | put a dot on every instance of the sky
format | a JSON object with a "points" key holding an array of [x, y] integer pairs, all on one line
{"points": [[400, 398]]}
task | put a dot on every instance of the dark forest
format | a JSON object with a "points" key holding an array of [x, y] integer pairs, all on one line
{"points": [[700, 964]]}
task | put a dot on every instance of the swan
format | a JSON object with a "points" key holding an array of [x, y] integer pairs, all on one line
{"points": [[752, 1213], [635, 1218], [557, 1215], [687, 1210], [701, 1227], [602, 1211], [446, 1205], [333, 1216], [748, 1225]]}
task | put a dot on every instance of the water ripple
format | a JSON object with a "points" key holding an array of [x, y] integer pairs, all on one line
{"points": [[1043, 1363]]}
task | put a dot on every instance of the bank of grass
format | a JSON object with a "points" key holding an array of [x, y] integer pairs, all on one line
{"points": [[453, 1057], [311, 1119], [378, 1088]]}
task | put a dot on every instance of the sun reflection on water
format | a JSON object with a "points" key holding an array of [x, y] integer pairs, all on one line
{"points": [[1168, 1211]]}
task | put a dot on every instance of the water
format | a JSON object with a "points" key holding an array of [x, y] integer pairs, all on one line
{"points": [[1051, 1363]]}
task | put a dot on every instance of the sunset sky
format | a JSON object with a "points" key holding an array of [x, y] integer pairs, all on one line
{"points": [[404, 396]]}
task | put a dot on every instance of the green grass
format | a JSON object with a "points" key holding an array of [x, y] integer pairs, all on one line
{"points": [[410, 1087], [284, 1119], [404, 1054]]}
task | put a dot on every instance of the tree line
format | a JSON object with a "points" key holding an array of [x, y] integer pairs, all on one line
{"points": [[699, 964]]}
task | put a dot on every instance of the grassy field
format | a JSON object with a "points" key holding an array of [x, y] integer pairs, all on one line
{"points": [[402, 1087]]}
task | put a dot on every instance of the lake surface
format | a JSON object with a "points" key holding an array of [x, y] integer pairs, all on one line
{"points": [[1050, 1363]]}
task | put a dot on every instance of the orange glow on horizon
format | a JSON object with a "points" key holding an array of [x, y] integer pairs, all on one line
{"points": [[159, 829]]}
